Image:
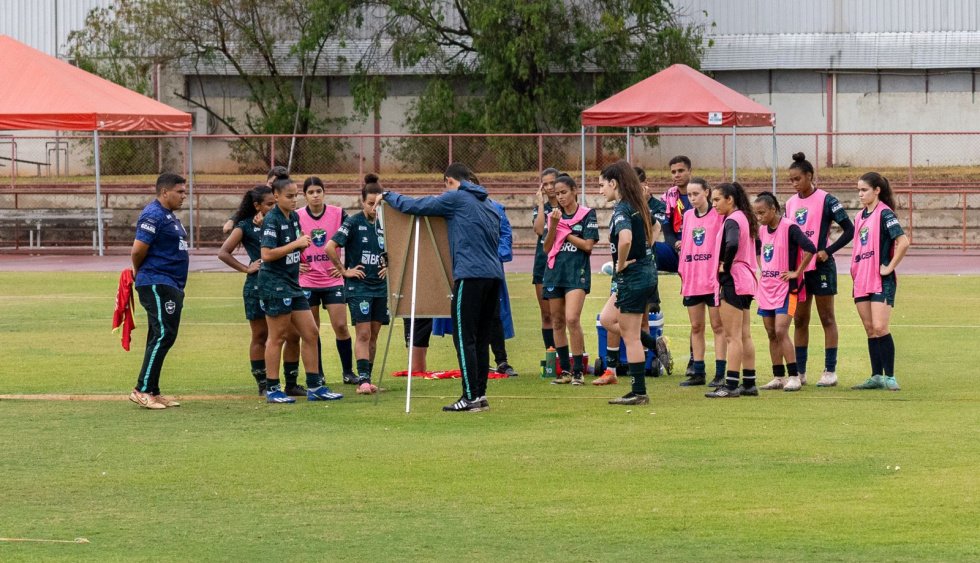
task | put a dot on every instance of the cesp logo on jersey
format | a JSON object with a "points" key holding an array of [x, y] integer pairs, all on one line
{"points": [[767, 252], [292, 258], [801, 215], [864, 235], [698, 235], [319, 237], [148, 228], [697, 258]]}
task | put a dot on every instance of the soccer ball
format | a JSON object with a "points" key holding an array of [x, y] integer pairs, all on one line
{"points": [[608, 269]]}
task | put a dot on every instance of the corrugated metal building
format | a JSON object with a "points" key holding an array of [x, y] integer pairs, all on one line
{"points": [[45, 24]]}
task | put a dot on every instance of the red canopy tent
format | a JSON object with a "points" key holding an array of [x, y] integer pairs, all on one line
{"points": [[42, 92], [679, 96]]}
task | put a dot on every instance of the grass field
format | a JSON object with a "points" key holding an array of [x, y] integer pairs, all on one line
{"points": [[548, 474]]}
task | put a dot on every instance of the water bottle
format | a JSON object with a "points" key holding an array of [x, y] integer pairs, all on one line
{"points": [[550, 359]]}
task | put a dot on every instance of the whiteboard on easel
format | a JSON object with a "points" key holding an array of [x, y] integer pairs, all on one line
{"points": [[435, 282]]}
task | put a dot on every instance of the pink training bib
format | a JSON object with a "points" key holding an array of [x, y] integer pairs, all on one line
{"points": [[698, 260], [772, 291], [865, 262], [808, 214], [321, 231]]}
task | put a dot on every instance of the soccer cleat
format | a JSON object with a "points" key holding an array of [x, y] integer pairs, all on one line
{"points": [[748, 391], [802, 379], [278, 396], [504, 368], [466, 405], [484, 403], [827, 379], [323, 393], [718, 381], [693, 380], [631, 399], [663, 354], [146, 400], [166, 402], [578, 378], [350, 378], [564, 378], [891, 383], [873, 382], [724, 393], [606, 379], [793, 383], [296, 390], [776, 383]]}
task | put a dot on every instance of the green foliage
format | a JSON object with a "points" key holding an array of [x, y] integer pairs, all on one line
{"points": [[525, 67]]}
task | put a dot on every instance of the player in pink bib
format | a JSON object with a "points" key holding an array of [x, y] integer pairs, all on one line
{"points": [[737, 286], [814, 210], [698, 269], [784, 253], [321, 283], [879, 248]]}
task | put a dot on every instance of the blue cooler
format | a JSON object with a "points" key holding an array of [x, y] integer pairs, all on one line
{"points": [[656, 324]]}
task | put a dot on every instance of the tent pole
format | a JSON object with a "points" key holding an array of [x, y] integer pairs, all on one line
{"points": [[98, 192], [190, 184], [773, 160], [734, 152], [583, 166], [629, 148]]}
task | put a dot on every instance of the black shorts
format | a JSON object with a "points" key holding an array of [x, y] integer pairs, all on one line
{"points": [[323, 296], [423, 330], [558, 292], [889, 287], [537, 271], [709, 299], [368, 309], [636, 287], [728, 295], [823, 280], [276, 306], [253, 307]]}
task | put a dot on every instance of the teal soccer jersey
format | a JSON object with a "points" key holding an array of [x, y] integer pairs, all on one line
{"points": [[251, 241], [364, 245], [624, 218], [280, 278], [572, 267]]}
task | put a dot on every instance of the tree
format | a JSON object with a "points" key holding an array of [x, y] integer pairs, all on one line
{"points": [[268, 45], [523, 67]]}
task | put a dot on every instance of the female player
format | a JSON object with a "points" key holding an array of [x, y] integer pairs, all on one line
{"points": [[248, 233], [880, 248], [698, 269], [285, 306], [572, 232], [546, 201], [737, 285], [630, 231], [813, 210], [321, 284], [779, 246], [364, 267]]}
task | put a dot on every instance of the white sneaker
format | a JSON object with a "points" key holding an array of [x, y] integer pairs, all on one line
{"points": [[802, 377], [827, 379], [793, 383], [776, 383]]}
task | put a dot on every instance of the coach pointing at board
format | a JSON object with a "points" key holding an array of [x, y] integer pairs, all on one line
{"points": [[474, 229]]}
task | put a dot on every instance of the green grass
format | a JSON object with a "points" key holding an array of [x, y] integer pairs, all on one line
{"points": [[548, 474]]}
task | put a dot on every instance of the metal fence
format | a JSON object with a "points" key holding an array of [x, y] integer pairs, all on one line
{"points": [[918, 156]]}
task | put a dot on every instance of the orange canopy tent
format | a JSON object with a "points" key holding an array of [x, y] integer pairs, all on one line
{"points": [[679, 96], [41, 92]]}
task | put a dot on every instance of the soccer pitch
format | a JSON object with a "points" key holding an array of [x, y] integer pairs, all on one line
{"points": [[549, 473]]}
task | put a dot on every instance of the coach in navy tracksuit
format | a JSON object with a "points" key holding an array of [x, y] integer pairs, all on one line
{"points": [[474, 231], [160, 262]]}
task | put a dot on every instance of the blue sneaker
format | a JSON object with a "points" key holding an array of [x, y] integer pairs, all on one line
{"points": [[891, 384], [322, 393], [278, 396]]}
